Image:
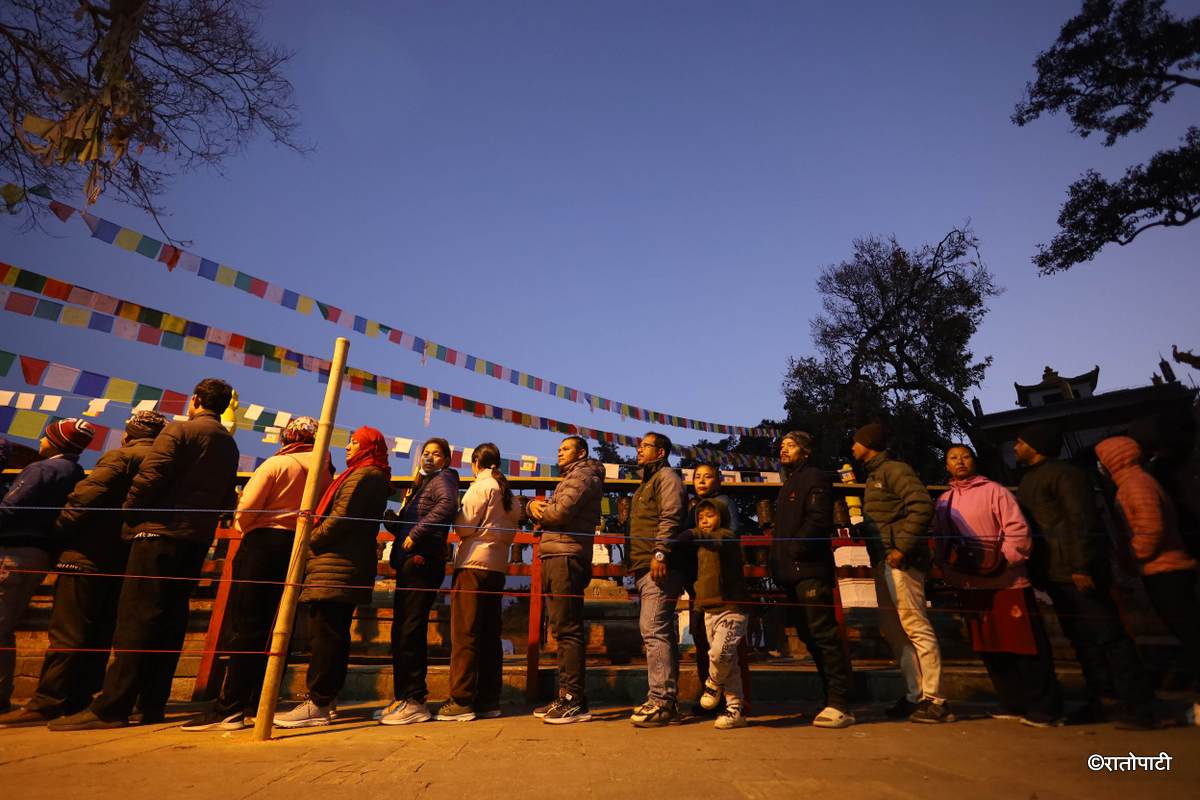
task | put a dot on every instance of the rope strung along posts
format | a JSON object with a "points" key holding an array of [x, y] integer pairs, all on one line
{"points": [[286, 617]]}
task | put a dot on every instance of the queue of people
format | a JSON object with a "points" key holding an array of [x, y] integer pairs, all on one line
{"points": [[174, 479]]}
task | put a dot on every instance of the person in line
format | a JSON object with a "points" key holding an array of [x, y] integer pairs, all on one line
{"points": [[1074, 567], [1167, 568], [268, 511], [85, 595], [802, 565], [339, 572], [897, 511], [720, 595], [419, 558], [182, 487], [568, 521], [656, 519], [486, 526], [27, 542], [982, 545]]}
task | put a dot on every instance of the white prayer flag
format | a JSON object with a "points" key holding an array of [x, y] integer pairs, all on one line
{"points": [[145, 405], [96, 407], [612, 472], [25, 400], [254, 412], [282, 418], [402, 446], [6, 398], [50, 402]]}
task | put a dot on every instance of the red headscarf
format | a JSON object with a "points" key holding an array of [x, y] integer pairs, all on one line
{"points": [[372, 452]]}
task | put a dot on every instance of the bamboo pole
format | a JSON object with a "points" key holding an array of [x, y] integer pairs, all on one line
{"points": [[284, 620]]}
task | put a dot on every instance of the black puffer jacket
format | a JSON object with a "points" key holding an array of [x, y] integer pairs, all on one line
{"points": [[1058, 502], [573, 511], [426, 517], [92, 539], [341, 552], [800, 546], [185, 480]]}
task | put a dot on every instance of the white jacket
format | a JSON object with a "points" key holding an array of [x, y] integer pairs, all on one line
{"points": [[485, 529]]}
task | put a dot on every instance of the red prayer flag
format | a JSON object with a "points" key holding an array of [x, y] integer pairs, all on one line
{"points": [[172, 402], [33, 368], [61, 210], [169, 255], [56, 289], [258, 287]]}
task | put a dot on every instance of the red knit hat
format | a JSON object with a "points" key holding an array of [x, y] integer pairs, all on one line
{"points": [[70, 435]]}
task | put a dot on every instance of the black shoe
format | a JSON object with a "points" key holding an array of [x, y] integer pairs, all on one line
{"points": [[1040, 719], [1087, 715], [151, 717], [931, 712], [24, 718], [1140, 720], [541, 711], [568, 710], [85, 721], [213, 720], [660, 717], [902, 709]]}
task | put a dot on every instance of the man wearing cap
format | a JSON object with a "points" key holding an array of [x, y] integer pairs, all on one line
{"points": [[182, 486], [85, 596], [267, 515], [897, 511], [1071, 562], [27, 544], [802, 566]]}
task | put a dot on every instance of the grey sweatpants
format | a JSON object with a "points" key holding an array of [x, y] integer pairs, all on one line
{"points": [[725, 629]]}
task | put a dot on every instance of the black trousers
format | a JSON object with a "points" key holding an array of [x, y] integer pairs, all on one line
{"points": [[263, 556], [84, 617], [1173, 595], [1027, 683], [563, 580], [814, 617], [414, 597], [152, 615], [476, 654], [1109, 659], [329, 644]]}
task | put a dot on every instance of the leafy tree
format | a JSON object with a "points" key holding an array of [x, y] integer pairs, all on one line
{"points": [[124, 94], [1109, 69], [893, 345]]}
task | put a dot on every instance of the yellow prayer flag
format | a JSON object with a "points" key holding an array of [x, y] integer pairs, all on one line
{"points": [[193, 345], [76, 317], [340, 437], [287, 367], [174, 324], [226, 275], [304, 305], [28, 424], [129, 311], [128, 239], [10, 278], [372, 328], [431, 349], [120, 390]]}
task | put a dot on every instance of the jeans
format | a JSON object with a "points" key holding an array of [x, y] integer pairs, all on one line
{"points": [[815, 619], [416, 586], [476, 654], [657, 622], [904, 622], [563, 580], [15, 590], [329, 642], [725, 629]]}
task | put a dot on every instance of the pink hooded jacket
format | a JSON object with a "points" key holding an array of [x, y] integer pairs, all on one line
{"points": [[985, 510], [1153, 524]]}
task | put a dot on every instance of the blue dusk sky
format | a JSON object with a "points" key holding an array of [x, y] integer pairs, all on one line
{"points": [[634, 199]]}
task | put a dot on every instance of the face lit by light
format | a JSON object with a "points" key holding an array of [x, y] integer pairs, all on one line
{"points": [[708, 519], [433, 459], [960, 463], [705, 480]]}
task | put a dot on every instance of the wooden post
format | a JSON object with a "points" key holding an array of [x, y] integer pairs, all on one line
{"points": [[281, 636]]}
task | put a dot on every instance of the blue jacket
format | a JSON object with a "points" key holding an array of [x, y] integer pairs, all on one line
{"points": [[43, 483], [427, 517]]}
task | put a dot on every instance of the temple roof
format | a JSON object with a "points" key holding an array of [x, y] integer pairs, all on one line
{"points": [[1051, 380]]}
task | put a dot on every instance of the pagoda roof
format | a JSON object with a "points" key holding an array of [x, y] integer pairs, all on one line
{"points": [[1052, 380]]}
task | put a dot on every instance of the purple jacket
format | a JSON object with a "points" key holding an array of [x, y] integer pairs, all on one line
{"points": [[985, 510]]}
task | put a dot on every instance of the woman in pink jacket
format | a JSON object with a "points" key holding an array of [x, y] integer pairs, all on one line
{"points": [[982, 544]]}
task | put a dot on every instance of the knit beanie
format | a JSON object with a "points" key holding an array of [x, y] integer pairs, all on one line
{"points": [[872, 436], [1042, 437], [70, 435], [144, 425]]}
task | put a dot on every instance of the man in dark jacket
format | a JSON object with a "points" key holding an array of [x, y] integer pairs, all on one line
{"points": [[85, 595], [802, 565], [27, 543], [897, 511], [183, 484], [1072, 563], [656, 518], [568, 521]]}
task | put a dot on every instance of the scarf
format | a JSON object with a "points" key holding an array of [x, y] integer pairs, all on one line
{"points": [[372, 452]]}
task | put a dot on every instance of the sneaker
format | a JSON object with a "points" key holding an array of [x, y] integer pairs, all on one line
{"points": [[1038, 719], [408, 712], [641, 712], [332, 710], [85, 721], [151, 717], [930, 712], [568, 710], [453, 712], [213, 720], [22, 718], [730, 718], [710, 698], [389, 708], [831, 717], [660, 717], [306, 715], [487, 712], [1007, 715], [541, 711], [1192, 715], [902, 709]]}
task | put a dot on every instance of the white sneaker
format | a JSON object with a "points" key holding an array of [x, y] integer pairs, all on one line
{"points": [[1192, 715], [406, 713], [644, 710], [389, 708], [710, 698], [730, 718], [306, 715], [831, 717]]}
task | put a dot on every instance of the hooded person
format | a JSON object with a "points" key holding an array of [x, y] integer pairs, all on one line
{"points": [[267, 514], [1168, 570], [28, 543], [339, 572]]}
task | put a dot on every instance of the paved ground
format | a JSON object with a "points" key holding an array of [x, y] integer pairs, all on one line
{"points": [[780, 756]]}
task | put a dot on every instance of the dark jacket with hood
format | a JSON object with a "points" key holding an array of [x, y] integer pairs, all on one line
{"points": [[91, 539], [44, 483], [897, 511], [342, 555], [656, 515], [720, 577], [1057, 500], [426, 517], [186, 478], [573, 511], [801, 544]]}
